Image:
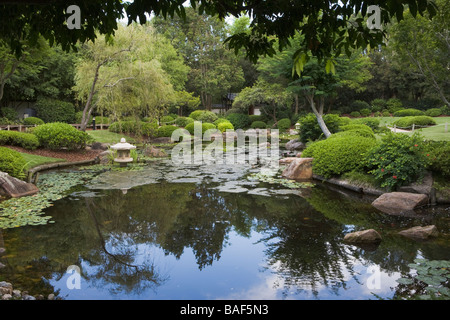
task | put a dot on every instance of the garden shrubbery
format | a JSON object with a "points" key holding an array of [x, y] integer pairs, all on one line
{"points": [[59, 135], [183, 121], [399, 159], [14, 138], [224, 126], [51, 110], [433, 112], [31, 121], [258, 125], [284, 124], [408, 112], [166, 130], [12, 163], [239, 120], [310, 130], [204, 125], [407, 122], [438, 153], [149, 129], [203, 115], [340, 154]]}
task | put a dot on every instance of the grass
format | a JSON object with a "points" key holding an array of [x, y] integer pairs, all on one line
{"points": [[35, 160], [105, 136], [431, 133]]}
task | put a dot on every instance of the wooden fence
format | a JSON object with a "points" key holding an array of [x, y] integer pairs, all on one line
{"points": [[23, 127]]}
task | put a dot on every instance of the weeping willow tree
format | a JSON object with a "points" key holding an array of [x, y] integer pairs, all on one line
{"points": [[124, 75]]}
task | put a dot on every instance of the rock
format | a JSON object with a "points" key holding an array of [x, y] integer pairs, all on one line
{"points": [[162, 140], [105, 156], [421, 233], [6, 296], [286, 160], [364, 236], [424, 186], [99, 146], [399, 202], [154, 152], [2, 265], [294, 145], [17, 293], [299, 169], [15, 188], [51, 296], [2, 250], [299, 154], [5, 288]]}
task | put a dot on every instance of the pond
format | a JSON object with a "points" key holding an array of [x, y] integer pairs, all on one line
{"points": [[214, 232]]}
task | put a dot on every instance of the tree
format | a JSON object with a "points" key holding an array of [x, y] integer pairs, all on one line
{"points": [[122, 75], [214, 70], [330, 26], [423, 45], [316, 83]]}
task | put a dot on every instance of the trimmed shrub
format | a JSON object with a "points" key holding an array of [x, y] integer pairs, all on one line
{"points": [[399, 159], [433, 112], [167, 120], [355, 114], [203, 115], [166, 131], [254, 118], [310, 130], [373, 123], [183, 121], [407, 122], [31, 121], [394, 105], [239, 120], [258, 125], [59, 135], [386, 113], [408, 112], [340, 154], [356, 129], [437, 153], [224, 126], [149, 129], [378, 104], [12, 163], [52, 110], [358, 105], [284, 124], [205, 126], [365, 112], [220, 120], [14, 138]]}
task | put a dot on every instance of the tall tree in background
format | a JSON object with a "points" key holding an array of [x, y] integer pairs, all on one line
{"points": [[423, 45], [214, 70], [125, 75]]}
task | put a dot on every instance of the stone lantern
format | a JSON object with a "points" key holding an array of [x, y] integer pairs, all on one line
{"points": [[123, 152], [297, 126]]}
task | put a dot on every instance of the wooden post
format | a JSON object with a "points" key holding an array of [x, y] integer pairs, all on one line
{"points": [[413, 127], [395, 128]]}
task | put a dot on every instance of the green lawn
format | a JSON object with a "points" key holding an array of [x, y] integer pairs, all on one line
{"points": [[432, 133], [34, 160], [105, 136]]}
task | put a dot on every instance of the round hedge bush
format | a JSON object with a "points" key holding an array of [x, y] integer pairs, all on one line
{"points": [[12, 163], [239, 120], [204, 125], [183, 121], [433, 112], [407, 122], [22, 139], [284, 124], [408, 112], [31, 121], [166, 131], [335, 156], [258, 125], [224, 126], [167, 120], [59, 135], [220, 120], [203, 115]]}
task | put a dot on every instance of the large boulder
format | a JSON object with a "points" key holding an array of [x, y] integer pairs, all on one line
{"points": [[420, 233], [399, 202], [299, 169], [294, 145], [362, 237], [15, 188]]}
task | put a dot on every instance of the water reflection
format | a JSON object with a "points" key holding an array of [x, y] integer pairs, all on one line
{"points": [[139, 244]]}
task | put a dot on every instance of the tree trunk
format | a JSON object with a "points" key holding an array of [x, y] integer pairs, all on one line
{"points": [[319, 113]]}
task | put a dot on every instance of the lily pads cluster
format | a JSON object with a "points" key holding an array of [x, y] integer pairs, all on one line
{"points": [[433, 276], [19, 212]]}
